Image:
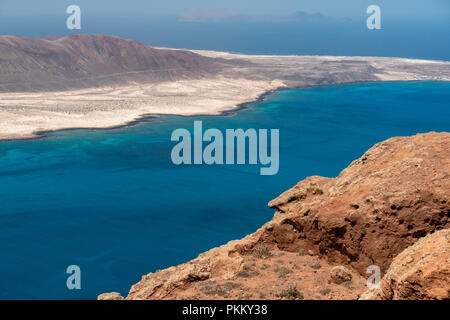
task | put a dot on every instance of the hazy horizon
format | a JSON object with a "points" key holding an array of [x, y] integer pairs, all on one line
{"points": [[411, 29], [348, 38], [435, 10]]}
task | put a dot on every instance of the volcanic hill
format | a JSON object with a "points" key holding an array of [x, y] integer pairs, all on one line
{"points": [[82, 61]]}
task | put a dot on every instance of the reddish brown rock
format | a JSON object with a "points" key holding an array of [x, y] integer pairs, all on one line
{"points": [[395, 194], [110, 296], [421, 271], [92, 60], [340, 274], [280, 275]]}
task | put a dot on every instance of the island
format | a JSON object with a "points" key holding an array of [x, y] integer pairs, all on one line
{"points": [[101, 81]]}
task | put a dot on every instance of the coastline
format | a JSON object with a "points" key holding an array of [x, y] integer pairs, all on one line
{"points": [[33, 115], [61, 120], [146, 118]]}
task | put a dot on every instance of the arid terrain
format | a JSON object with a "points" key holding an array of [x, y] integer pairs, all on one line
{"points": [[98, 81], [389, 208]]}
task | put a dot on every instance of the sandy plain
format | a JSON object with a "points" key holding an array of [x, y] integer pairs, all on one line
{"points": [[29, 114]]}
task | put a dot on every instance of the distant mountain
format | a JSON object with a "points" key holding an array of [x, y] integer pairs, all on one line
{"points": [[210, 14], [308, 17], [223, 15], [81, 61]]}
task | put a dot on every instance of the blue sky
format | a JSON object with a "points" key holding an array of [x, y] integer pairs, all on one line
{"points": [[392, 9]]}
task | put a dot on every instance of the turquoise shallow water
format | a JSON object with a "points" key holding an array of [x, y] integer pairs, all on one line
{"points": [[112, 202]]}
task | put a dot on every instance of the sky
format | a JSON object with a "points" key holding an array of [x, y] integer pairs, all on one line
{"points": [[354, 9], [409, 28]]}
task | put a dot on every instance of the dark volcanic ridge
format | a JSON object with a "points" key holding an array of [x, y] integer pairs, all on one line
{"points": [[82, 61], [89, 61]]}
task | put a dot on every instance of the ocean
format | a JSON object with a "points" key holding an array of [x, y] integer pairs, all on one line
{"points": [[112, 202], [422, 39]]}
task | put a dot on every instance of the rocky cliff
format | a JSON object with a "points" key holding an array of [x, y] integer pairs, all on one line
{"points": [[327, 231]]}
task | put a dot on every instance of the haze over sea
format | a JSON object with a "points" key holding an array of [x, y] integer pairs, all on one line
{"points": [[423, 39], [112, 202]]}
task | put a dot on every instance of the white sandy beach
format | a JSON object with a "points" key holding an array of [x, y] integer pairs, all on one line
{"points": [[23, 114]]}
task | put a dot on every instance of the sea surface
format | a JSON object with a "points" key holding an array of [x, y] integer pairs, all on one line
{"points": [[421, 39], [112, 202]]}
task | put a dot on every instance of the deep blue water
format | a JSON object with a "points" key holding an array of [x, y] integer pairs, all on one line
{"points": [[112, 202], [409, 39]]}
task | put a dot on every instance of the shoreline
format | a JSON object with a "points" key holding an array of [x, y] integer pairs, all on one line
{"points": [[247, 79], [147, 118], [236, 53]]}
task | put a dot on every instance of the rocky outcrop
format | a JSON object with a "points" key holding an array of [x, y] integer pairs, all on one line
{"points": [[110, 296], [396, 193], [223, 273], [340, 274], [422, 271], [327, 231]]}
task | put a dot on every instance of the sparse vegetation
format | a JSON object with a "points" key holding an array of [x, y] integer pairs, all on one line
{"points": [[248, 272], [283, 272], [316, 266], [212, 288], [347, 284], [325, 291], [291, 293], [261, 251]]}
